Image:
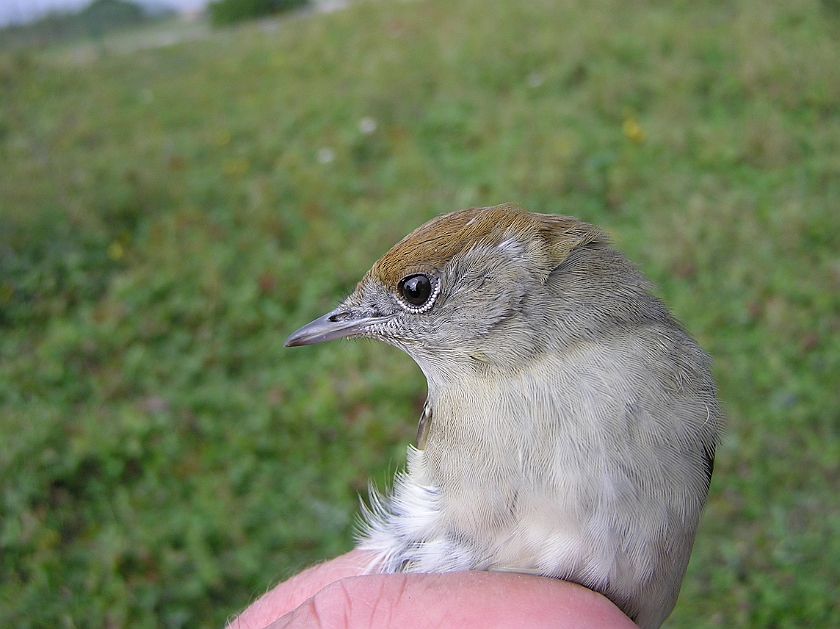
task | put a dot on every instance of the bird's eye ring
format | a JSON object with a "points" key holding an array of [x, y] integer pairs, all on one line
{"points": [[418, 292]]}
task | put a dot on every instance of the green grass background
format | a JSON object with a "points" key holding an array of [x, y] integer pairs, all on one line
{"points": [[165, 222]]}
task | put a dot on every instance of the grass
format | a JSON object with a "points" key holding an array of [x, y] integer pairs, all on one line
{"points": [[168, 217]]}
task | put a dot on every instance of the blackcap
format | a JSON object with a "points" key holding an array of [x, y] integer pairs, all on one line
{"points": [[571, 422]]}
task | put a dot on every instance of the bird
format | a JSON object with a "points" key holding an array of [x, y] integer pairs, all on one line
{"points": [[570, 424]]}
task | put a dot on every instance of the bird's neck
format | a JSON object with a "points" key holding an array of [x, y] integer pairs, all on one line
{"points": [[479, 414]]}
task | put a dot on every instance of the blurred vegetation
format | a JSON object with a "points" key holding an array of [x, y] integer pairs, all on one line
{"points": [[168, 217], [93, 21], [231, 11]]}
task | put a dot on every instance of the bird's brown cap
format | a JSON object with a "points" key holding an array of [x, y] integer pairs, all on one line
{"points": [[546, 239]]}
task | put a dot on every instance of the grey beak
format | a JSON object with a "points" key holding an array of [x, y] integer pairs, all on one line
{"points": [[337, 324]]}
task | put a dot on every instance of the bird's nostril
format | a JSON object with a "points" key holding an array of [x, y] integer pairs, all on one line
{"points": [[340, 316]]}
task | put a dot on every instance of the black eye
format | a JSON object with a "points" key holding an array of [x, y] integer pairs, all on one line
{"points": [[415, 289]]}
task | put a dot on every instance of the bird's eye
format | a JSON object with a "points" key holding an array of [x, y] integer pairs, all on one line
{"points": [[415, 289]]}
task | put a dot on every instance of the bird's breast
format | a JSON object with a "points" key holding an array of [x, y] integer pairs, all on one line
{"points": [[544, 466]]}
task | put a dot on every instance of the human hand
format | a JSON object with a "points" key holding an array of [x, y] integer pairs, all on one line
{"points": [[337, 594]]}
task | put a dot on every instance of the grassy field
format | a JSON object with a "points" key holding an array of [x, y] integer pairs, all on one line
{"points": [[168, 217]]}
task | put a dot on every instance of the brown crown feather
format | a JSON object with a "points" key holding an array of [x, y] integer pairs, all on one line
{"points": [[547, 239]]}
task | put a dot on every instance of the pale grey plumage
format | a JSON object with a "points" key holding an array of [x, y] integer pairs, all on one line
{"points": [[571, 422]]}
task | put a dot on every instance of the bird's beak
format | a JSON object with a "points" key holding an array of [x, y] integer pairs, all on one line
{"points": [[340, 323]]}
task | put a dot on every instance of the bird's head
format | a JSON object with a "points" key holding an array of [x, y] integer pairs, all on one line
{"points": [[469, 286]]}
